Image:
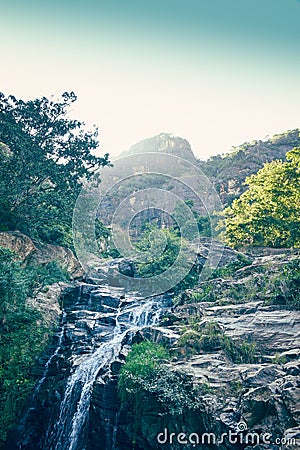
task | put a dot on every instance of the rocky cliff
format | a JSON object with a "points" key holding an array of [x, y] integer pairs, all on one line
{"points": [[234, 344], [229, 171], [226, 172], [165, 143], [250, 393]]}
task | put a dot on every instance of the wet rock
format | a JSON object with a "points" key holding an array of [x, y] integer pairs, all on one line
{"points": [[127, 267]]}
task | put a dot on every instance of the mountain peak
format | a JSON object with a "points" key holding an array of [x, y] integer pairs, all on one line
{"points": [[164, 143]]}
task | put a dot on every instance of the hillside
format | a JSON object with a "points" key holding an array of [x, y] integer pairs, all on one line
{"points": [[226, 172], [229, 171]]}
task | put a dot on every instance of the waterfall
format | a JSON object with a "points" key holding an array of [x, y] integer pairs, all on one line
{"points": [[103, 305], [48, 363]]}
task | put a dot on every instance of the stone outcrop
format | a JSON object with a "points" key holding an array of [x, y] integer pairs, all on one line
{"points": [[17, 242], [30, 251], [5, 150], [47, 301], [63, 255], [165, 143], [259, 399]]}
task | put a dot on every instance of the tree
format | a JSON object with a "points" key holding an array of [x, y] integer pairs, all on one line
{"points": [[160, 249], [268, 213], [44, 157], [203, 222]]}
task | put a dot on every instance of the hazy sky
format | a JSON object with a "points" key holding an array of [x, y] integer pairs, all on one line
{"points": [[216, 72]]}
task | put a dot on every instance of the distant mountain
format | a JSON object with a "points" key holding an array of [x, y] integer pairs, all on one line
{"points": [[164, 143], [229, 171]]}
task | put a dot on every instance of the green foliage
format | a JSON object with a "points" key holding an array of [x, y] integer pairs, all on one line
{"points": [[240, 352], [48, 156], [146, 380], [277, 284], [141, 366], [43, 275], [200, 296], [162, 251], [104, 239], [236, 388], [285, 286], [161, 248], [279, 359], [205, 225], [23, 332], [228, 171], [268, 213], [189, 222], [199, 338], [229, 270]]}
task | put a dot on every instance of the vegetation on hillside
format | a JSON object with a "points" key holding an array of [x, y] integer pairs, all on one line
{"points": [[163, 250], [229, 171], [147, 382], [209, 337], [268, 213], [23, 332], [44, 156]]}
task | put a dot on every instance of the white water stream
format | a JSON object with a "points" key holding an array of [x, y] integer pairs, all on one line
{"points": [[74, 409]]}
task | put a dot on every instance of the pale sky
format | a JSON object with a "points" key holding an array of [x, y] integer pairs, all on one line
{"points": [[216, 72]]}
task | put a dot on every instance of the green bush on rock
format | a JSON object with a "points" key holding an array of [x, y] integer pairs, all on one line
{"points": [[23, 332], [209, 337], [285, 286], [174, 249], [142, 365], [146, 379]]}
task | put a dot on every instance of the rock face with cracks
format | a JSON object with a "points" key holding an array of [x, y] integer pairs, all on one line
{"points": [[239, 405]]}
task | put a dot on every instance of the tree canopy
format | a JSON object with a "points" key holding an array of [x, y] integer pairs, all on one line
{"points": [[44, 157], [268, 213]]}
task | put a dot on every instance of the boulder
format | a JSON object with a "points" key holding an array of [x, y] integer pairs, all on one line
{"points": [[36, 252], [127, 267], [64, 256], [17, 242]]}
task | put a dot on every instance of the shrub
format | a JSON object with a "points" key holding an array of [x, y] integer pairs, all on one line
{"points": [[142, 364], [285, 286], [171, 243], [209, 337], [146, 376], [23, 333], [231, 268], [38, 275]]}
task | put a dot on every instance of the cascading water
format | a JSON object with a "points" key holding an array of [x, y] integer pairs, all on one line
{"points": [[68, 426], [97, 325], [48, 363]]}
